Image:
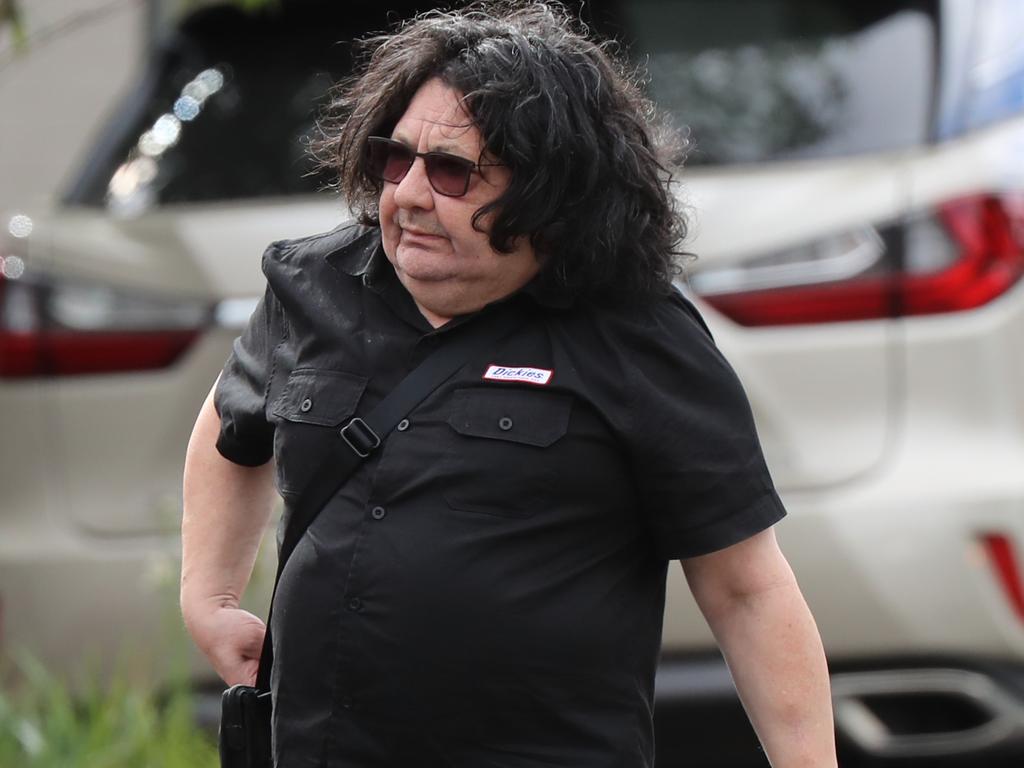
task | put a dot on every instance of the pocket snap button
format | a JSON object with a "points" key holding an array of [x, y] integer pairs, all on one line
{"points": [[306, 405], [505, 423], [403, 425]]}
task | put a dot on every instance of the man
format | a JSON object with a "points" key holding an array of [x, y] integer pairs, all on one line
{"points": [[487, 588]]}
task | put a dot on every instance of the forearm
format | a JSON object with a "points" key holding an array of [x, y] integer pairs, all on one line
{"points": [[752, 603], [773, 649], [226, 509]]}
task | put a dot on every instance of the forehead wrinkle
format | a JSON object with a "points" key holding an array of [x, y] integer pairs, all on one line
{"points": [[458, 130], [437, 120]]}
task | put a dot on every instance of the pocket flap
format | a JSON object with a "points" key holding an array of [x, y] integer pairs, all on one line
{"points": [[317, 396], [520, 416]]}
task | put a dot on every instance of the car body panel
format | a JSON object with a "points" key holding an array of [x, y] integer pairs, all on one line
{"points": [[189, 250], [786, 370]]}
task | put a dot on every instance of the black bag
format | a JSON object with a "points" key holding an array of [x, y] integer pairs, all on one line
{"points": [[245, 728], [244, 738]]}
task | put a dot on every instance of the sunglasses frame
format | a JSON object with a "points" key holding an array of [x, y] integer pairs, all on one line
{"points": [[469, 166]]}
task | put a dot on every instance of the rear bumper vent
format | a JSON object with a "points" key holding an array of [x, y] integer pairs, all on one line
{"points": [[926, 713]]}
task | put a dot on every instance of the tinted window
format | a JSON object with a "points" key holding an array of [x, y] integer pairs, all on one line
{"points": [[230, 100], [784, 79], [227, 107]]}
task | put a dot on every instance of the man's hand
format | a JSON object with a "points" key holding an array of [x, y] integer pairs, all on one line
{"points": [[230, 638]]}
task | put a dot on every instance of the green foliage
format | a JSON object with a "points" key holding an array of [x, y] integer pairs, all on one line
{"points": [[111, 725], [10, 15]]}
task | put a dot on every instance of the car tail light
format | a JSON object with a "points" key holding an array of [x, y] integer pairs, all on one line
{"points": [[1003, 560], [962, 255], [52, 326]]}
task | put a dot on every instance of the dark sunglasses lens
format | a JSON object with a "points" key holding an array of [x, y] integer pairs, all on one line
{"points": [[389, 161], [448, 175]]}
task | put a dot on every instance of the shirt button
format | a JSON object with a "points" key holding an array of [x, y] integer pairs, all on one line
{"points": [[505, 423], [355, 604], [306, 405], [403, 425], [378, 513]]}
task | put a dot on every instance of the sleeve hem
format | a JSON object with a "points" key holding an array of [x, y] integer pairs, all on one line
{"points": [[241, 453], [754, 518]]}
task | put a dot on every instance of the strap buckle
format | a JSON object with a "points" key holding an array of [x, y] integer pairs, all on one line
{"points": [[360, 437]]}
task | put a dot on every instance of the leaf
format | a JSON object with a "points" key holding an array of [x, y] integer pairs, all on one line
{"points": [[10, 15], [107, 723]]}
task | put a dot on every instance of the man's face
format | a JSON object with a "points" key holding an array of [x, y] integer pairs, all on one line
{"points": [[449, 268]]}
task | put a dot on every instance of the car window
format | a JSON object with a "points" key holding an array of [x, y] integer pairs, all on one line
{"points": [[788, 79], [227, 106], [229, 101], [224, 112]]}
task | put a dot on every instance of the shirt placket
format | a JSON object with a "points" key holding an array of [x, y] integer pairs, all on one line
{"points": [[355, 609]]}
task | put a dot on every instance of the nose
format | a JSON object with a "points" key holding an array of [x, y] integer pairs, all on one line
{"points": [[414, 191]]}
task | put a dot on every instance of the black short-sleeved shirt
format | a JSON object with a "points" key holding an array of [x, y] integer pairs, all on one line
{"points": [[488, 588]]}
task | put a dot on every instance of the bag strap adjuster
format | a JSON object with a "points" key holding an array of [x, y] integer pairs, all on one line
{"points": [[360, 437]]}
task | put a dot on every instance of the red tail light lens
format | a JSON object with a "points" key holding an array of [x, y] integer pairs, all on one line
{"points": [[68, 354], [989, 233], [1003, 559], [964, 255], [56, 327], [864, 299]]}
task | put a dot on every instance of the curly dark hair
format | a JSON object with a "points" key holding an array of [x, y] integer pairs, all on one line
{"points": [[590, 160]]}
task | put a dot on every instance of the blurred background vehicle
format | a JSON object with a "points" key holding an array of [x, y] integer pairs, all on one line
{"points": [[856, 192]]}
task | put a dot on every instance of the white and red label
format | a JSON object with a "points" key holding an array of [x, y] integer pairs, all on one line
{"points": [[538, 376]]}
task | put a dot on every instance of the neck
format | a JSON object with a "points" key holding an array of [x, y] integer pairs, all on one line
{"points": [[435, 320]]}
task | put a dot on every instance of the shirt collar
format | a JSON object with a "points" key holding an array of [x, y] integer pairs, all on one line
{"points": [[548, 295], [363, 257], [355, 255]]}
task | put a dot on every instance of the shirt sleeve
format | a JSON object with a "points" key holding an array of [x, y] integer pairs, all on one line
{"points": [[702, 477], [246, 435]]}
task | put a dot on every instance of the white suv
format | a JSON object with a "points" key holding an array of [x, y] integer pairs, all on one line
{"points": [[855, 191]]}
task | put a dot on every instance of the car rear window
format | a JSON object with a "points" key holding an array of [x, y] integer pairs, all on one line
{"points": [[229, 101], [224, 111], [788, 79]]}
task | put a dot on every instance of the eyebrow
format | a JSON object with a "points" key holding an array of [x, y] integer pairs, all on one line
{"points": [[446, 149], [449, 149]]}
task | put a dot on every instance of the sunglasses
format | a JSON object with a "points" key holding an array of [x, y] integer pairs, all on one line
{"points": [[390, 160]]}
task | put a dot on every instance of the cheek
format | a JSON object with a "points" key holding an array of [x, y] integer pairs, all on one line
{"points": [[386, 205], [458, 224], [388, 228]]}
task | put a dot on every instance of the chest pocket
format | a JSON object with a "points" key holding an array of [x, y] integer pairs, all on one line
{"points": [[499, 460], [310, 408]]}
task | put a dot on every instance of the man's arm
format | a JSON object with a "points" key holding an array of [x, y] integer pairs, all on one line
{"points": [[750, 598], [227, 508]]}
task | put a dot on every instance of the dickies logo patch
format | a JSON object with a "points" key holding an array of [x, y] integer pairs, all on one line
{"points": [[538, 376]]}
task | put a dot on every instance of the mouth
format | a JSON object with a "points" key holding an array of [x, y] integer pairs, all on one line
{"points": [[420, 233], [414, 231]]}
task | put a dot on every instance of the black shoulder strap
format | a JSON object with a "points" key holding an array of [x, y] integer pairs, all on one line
{"points": [[361, 436]]}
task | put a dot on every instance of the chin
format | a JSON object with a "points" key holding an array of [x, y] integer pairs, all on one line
{"points": [[425, 265], [433, 279], [444, 299]]}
